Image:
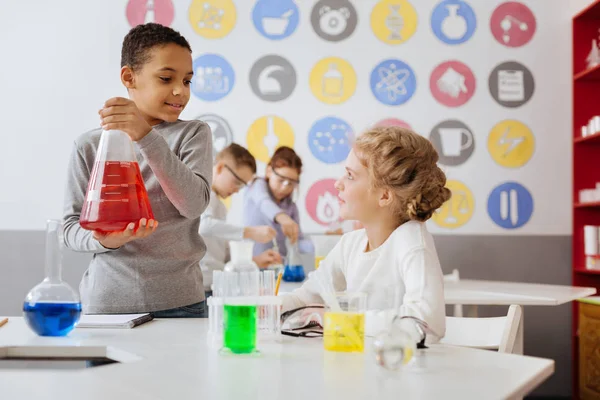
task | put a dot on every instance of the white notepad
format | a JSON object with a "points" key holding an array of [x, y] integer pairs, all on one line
{"points": [[113, 321]]}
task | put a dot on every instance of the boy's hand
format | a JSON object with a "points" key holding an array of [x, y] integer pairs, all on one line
{"points": [[260, 234], [268, 257], [289, 226], [122, 114], [114, 240]]}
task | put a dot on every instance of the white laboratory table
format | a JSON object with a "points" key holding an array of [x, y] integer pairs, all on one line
{"points": [[175, 362], [472, 293]]}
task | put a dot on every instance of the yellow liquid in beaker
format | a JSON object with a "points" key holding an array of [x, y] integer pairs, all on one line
{"points": [[318, 259], [344, 332]]}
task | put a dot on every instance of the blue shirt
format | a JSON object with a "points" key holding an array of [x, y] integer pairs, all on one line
{"points": [[260, 208]]}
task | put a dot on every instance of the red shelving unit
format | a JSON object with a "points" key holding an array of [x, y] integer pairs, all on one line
{"points": [[586, 156]]}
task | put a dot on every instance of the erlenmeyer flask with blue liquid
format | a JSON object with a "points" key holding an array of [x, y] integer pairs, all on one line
{"points": [[52, 308], [294, 271]]}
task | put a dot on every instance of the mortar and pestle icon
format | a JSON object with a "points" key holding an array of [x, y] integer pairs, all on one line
{"points": [[277, 25]]}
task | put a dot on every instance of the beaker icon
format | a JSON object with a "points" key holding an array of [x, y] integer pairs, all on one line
{"points": [[333, 82], [116, 194]]}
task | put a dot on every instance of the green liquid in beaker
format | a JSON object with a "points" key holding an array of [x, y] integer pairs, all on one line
{"points": [[240, 328]]}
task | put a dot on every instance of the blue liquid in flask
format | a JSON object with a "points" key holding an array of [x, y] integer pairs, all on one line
{"points": [[293, 273], [52, 319]]}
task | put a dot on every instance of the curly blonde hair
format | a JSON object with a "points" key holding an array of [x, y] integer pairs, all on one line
{"points": [[405, 162]]}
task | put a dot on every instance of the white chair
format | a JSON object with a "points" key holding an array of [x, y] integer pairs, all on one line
{"points": [[498, 333], [455, 277]]}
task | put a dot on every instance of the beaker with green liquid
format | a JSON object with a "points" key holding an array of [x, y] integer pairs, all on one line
{"points": [[241, 282]]}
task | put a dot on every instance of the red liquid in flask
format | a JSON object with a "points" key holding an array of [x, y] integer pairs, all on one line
{"points": [[117, 200]]}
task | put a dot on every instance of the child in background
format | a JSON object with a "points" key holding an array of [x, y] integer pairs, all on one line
{"points": [[234, 168], [269, 201], [392, 185], [145, 268]]}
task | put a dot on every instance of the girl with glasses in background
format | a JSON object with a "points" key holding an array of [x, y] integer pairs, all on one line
{"points": [[269, 201]]}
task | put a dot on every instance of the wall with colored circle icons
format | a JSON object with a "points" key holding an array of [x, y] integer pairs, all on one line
{"points": [[322, 202], [453, 21], [393, 82], [267, 134], [315, 75], [212, 19], [510, 205], [213, 77], [276, 19], [394, 21], [458, 210], [511, 144], [333, 80], [143, 11]]}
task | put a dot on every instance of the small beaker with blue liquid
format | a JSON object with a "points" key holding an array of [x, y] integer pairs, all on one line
{"points": [[293, 271], [52, 308]]}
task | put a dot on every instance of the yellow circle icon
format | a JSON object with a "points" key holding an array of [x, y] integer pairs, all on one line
{"points": [[458, 210], [394, 21], [212, 19], [266, 134], [511, 144], [333, 80]]}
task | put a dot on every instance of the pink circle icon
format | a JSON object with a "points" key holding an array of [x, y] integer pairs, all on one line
{"points": [[392, 122], [512, 24], [322, 202], [143, 11], [452, 83]]}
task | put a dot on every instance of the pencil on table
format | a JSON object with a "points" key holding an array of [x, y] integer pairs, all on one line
{"points": [[3, 321]]}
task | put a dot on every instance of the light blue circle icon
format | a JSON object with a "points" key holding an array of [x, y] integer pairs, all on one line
{"points": [[275, 19], [393, 82], [329, 140], [213, 77], [453, 21], [510, 205]]}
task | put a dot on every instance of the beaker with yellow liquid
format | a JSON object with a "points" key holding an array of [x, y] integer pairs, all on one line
{"points": [[344, 329]]}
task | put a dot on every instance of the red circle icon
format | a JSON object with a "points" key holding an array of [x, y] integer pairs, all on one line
{"points": [[322, 202], [452, 83], [392, 122], [143, 11], [512, 24]]}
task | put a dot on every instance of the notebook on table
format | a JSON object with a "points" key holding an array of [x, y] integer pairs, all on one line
{"points": [[113, 321]]}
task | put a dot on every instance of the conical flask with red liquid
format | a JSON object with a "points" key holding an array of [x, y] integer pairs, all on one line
{"points": [[116, 194]]}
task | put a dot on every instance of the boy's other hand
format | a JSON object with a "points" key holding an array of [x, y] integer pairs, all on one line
{"points": [[114, 240], [289, 226], [260, 234], [266, 258], [122, 114]]}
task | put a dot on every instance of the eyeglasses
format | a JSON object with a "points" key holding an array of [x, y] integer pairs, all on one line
{"points": [[285, 181], [240, 182]]}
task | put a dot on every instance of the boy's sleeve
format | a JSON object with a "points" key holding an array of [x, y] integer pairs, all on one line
{"points": [[260, 196], [210, 226], [330, 270], [75, 237], [186, 180], [424, 285]]}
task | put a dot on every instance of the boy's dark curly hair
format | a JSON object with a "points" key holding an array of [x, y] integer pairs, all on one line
{"points": [[141, 39]]}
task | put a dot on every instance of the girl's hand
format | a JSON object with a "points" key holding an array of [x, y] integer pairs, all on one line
{"points": [[289, 226], [266, 258]]}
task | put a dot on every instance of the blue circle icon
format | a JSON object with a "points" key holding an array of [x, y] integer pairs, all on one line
{"points": [[213, 77], [329, 140], [393, 82], [510, 205], [453, 21], [275, 19]]}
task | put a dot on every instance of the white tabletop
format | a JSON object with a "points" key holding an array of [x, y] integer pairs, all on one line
{"points": [[177, 364], [476, 292]]}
